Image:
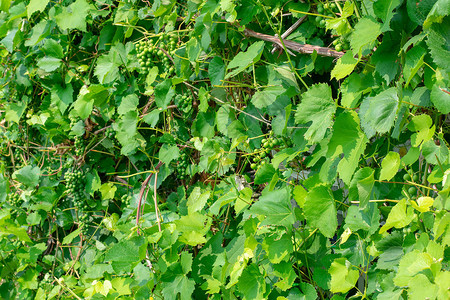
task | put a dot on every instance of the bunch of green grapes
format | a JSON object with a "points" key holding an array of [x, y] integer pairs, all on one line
{"points": [[182, 166], [151, 53], [267, 144], [14, 199], [341, 43], [79, 146], [184, 102], [75, 187]]}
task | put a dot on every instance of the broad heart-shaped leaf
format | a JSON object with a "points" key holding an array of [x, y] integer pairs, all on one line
{"points": [[129, 103], [413, 62], [267, 96], [193, 228], [347, 138], [390, 165], [28, 175], [361, 186], [411, 264], [385, 57], [164, 93], [197, 200], [440, 98], [344, 66], [179, 284], [384, 10], [366, 219], [277, 248], [244, 59], [49, 64], [318, 107], [439, 42], [106, 69], [87, 97], [398, 217], [422, 125], [264, 174], [276, 207], [343, 278], [378, 113], [62, 97], [364, 35], [435, 154], [73, 16], [251, 283], [36, 5], [4, 188], [420, 287], [167, 153], [216, 70], [126, 254], [320, 210]]}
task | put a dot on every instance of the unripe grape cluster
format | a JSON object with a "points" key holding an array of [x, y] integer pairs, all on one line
{"points": [[184, 102], [75, 187], [267, 144], [182, 165], [14, 199], [79, 146], [152, 53], [330, 10]]}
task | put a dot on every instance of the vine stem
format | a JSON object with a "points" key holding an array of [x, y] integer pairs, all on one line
{"points": [[141, 194], [288, 33]]}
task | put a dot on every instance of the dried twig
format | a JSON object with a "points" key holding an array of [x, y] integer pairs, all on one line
{"points": [[300, 48], [288, 32]]}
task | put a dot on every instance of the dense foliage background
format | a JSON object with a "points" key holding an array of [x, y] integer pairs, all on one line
{"points": [[182, 150]]}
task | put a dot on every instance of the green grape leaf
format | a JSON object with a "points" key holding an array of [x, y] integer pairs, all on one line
{"points": [[440, 97], [366, 219], [410, 265], [129, 103], [435, 154], [364, 35], [398, 217], [53, 48], [413, 62], [344, 66], [73, 16], [216, 70], [318, 107], [267, 96], [36, 5], [168, 153], [437, 13], [419, 9], [106, 69], [193, 228], [49, 64], [438, 42], [197, 200], [320, 210], [343, 277], [378, 113], [384, 10], [347, 138], [164, 93], [264, 174], [251, 283], [361, 186], [28, 175], [390, 165], [278, 249], [62, 97], [422, 124], [244, 59], [275, 206]]}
